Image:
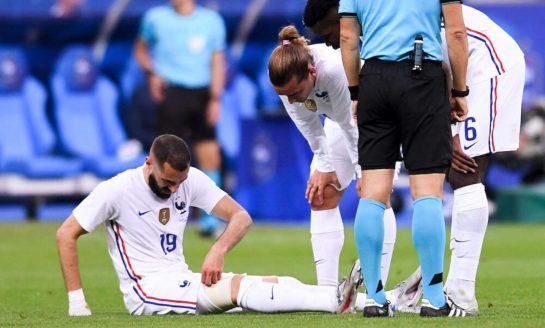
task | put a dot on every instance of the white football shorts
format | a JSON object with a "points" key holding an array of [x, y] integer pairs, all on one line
{"points": [[338, 152], [178, 293], [494, 112]]}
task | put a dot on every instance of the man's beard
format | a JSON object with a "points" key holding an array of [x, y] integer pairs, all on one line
{"points": [[163, 193]]}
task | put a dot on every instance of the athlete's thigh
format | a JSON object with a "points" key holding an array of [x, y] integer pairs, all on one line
{"points": [[422, 103], [339, 153], [169, 293], [379, 136], [493, 122]]}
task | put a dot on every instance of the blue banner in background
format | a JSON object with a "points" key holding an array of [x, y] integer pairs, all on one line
{"points": [[273, 167]]}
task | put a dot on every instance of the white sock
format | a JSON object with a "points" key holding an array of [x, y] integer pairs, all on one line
{"points": [[269, 297], [390, 231], [469, 222], [360, 301], [327, 239]]}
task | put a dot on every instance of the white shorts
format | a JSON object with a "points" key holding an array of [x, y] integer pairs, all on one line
{"points": [[176, 293], [493, 121], [338, 152]]}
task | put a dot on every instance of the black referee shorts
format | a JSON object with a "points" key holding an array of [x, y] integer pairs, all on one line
{"points": [[183, 113], [400, 107]]}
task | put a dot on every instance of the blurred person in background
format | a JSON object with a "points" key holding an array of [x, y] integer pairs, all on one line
{"points": [[181, 48], [531, 154], [66, 8]]}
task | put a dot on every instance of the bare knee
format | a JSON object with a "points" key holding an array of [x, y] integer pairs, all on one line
{"points": [[208, 155], [427, 185], [235, 287], [272, 279], [332, 197]]}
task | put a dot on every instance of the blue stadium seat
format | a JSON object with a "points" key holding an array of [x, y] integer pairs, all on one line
{"points": [[26, 137], [85, 108]]}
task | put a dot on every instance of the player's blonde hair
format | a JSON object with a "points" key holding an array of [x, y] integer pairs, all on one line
{"points": [[290, 58]]}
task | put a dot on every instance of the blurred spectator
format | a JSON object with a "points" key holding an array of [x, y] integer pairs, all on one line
{"points": [[531, 154], [181, 48], [66, 8]]}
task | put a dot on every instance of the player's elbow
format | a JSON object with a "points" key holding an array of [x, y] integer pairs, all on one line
{"points": [[457, 33], [247, 221], [348, 40], [62, 235]]}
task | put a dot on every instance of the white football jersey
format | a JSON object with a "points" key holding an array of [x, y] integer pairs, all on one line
{"points": [[145, 232], [491, 50], [330, 98]]}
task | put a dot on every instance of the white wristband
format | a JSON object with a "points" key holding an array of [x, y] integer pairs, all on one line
{"points": [[76, 296]]}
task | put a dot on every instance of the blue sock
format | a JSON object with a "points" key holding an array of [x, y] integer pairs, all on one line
{"points": [[209, 222], [429, 241], [369, 234]]}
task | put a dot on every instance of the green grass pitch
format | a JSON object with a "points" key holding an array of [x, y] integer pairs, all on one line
{"points": [[510, 286]]}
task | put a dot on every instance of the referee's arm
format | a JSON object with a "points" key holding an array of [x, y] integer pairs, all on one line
{"points": [[350, 47], [456, 36]]}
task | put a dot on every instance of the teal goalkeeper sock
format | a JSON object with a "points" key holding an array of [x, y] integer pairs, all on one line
{"points": [[369, 235], [429, 240]]}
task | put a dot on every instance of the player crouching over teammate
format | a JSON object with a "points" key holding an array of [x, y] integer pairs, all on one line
{"points": [[145, 211]]}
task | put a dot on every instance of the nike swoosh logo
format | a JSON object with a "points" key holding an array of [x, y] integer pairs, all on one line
{"points": [[460, 241], [319, 261], [272, 293], [142, 213], [467, 147]]}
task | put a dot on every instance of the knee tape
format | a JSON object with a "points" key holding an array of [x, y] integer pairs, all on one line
{"points": [[219, 294]]}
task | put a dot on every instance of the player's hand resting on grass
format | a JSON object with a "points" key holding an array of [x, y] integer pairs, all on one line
{"points": [[317, 183], [77, 306]]}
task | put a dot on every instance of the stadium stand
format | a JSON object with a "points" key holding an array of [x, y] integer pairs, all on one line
{"points": [[86, 113], [27, 139], [85, 106]]}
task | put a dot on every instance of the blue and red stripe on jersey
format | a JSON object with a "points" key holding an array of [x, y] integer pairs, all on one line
{"points": [[135, 277]]}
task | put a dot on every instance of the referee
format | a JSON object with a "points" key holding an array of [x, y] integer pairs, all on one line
{"points": [[403, 100]]}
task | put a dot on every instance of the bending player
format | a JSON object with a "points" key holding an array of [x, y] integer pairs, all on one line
{"points": [[145, 211], [311, 83], [495, 77]]}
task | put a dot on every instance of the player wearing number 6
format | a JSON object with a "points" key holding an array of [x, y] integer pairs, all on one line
{"points": [[495, 76], [145, 211]]}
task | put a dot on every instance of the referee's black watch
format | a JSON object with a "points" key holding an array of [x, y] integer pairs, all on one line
{"points": [[457, 93]]}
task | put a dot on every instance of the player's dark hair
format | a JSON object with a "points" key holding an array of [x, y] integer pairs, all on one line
{"points": [[290, 58], [168, 148], [316, 10]]}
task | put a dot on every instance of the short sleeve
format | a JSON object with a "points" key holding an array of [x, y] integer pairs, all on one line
{"points": [[219, 40], [147, 29], [347, 8], [205, 194], [98, 207]]}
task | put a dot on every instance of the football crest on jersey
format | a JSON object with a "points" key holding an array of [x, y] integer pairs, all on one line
{"points": [[180, 206], [322, 95], [164, 215], [310, 104]]}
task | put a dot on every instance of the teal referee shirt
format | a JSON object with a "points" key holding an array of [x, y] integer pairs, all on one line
{"points": [[389, 26]]}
